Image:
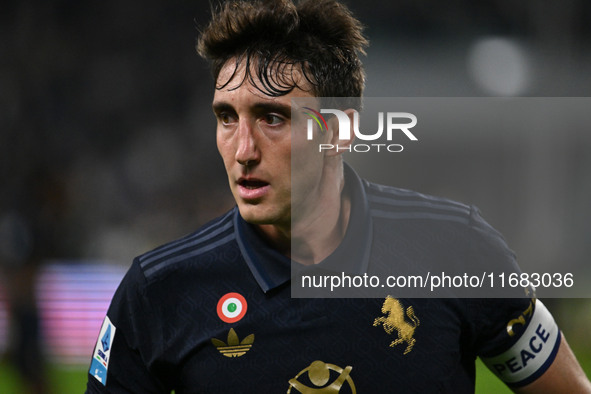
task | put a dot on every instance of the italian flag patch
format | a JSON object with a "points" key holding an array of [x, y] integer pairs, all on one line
{"points": [[232, 307]]}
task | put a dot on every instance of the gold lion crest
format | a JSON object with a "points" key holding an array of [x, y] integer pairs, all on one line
{"points": [[395, 319]]}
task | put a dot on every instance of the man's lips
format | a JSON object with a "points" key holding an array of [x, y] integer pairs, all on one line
{"points": [[252, 188]]}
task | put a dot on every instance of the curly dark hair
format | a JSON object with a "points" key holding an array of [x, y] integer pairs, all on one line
{"points": [[319, 37]]}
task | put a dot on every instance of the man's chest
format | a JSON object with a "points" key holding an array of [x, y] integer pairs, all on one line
{"points": [[327, 346]]}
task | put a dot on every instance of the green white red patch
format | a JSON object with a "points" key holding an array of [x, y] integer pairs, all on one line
{"points": [[232, 307]]}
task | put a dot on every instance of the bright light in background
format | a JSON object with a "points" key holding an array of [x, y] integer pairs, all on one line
{"points": [[499, 66], [73, 300]]}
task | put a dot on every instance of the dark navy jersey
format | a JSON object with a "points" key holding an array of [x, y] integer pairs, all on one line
{"points": [[213, 312]]}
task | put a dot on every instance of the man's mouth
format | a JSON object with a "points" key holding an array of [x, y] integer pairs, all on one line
{"points": [[252, 189], [252, 183]]}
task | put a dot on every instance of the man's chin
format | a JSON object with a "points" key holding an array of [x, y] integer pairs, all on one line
{"points": [[257, 215], [251, 213]]}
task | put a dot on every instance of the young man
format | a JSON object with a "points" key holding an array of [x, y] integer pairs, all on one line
{"points": [[212, 312]]}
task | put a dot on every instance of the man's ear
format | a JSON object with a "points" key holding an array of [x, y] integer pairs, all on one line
{"points": [[343, 144]]}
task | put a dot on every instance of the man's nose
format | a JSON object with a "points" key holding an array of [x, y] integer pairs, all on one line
{"points": [[247, 152]]}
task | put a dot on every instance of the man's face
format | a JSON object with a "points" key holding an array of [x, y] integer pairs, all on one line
{"points": [[254, 140]]}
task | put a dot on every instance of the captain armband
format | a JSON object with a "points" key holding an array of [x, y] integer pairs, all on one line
{"points": [[533, 352]]}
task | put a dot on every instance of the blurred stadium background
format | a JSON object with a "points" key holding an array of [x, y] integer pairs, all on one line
{"points": [[107, 149]]}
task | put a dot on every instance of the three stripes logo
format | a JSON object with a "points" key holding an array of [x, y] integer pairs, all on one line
{"points": [[234, 347]]}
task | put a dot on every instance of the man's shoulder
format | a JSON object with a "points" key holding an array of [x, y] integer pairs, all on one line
{"points": [[209, 239], [390, 202], [411, 214]]}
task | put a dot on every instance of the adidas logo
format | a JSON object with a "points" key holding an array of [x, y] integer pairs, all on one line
{"points": [[234, 347]]}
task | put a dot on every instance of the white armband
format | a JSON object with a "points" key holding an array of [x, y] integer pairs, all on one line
{"points": [[533, 352]]}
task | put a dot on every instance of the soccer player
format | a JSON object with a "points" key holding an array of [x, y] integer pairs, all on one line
{"points": [[212, 312]]}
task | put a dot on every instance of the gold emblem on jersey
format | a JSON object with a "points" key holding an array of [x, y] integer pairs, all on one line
{"points": [[319, 375], [234, 347], [394, 319], [521, 319]]}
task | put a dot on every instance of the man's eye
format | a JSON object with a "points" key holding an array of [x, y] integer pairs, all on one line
{"points": [[226, 118], [273, 119]]}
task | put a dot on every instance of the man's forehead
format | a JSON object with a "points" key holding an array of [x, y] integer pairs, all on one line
{"points": [[282, 76]]}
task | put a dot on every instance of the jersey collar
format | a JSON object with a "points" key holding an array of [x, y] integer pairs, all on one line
{"points": [[271, 269]]}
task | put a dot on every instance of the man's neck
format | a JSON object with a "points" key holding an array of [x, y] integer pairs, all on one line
{"points": [[311, 239]]}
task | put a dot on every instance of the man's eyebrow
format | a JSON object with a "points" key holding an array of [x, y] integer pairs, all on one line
{"points": [[221, 107], [283, 109]]}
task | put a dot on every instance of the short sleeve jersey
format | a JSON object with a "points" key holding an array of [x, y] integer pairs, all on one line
{"points": [[213, 313]]}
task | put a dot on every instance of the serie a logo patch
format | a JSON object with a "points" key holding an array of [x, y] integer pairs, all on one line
{"points": [[102, 351]]}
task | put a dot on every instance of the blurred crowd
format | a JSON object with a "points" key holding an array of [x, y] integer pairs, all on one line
{"points": [[106, 136], [106, 132], [107, 142]]}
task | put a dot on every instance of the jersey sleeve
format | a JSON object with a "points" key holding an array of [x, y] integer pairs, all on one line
{"points": [[516, 336], [123, 360], [492, 254], [523, 347]]}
